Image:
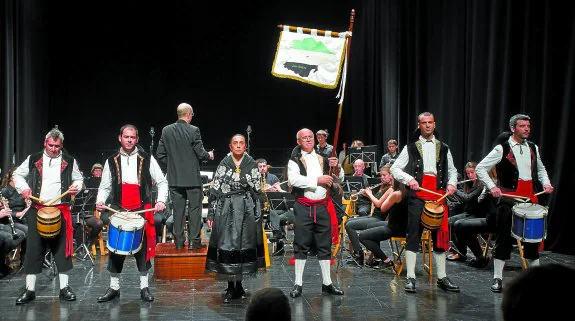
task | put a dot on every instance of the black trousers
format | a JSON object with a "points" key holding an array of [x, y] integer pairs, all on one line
{"points": [[373, 235], [194, 196], [312, 223], [116, 261], [357, 224], [466, 231], [37, 246], [504, 242], [414, 227]]}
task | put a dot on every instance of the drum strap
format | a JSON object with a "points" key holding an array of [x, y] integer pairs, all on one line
{"points": [[67, 217]]}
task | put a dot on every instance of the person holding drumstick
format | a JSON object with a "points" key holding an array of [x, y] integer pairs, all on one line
{"points": [[128, 177], [49, 175], [520, 172], [426, 162]]}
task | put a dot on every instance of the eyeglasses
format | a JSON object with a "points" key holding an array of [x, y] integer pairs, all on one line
{"points": [[306, 138]]}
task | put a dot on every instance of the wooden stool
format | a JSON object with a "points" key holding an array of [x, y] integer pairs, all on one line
{"points": [[397, 245]]}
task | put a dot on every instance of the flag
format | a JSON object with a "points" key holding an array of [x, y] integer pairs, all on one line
{"points": [[309, 58]]}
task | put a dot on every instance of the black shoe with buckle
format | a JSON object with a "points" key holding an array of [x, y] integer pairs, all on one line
{"points": [[26, 297], [497, 285], [447, 285], [196, 246], [66, 294], [296, 292], [110, 295], [146, 295], [229, 295], [331, 289], [410, 285]]}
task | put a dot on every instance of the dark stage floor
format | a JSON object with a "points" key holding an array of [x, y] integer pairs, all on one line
{"points": [[369, 294]]}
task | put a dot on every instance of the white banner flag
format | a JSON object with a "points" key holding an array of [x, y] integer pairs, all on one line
{"points": [[312, 59]]}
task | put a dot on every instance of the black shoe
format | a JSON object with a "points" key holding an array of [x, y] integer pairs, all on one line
{"points": [[146, 295], [240, 293], [479, 263], [410, 285], [228, 296], [26, 297], [296, 292], [331, 289], [110, 295], [497, 285], [382, 265], [447, 285], [196, 246], [279, 249], [66, 294], [359, 258]]}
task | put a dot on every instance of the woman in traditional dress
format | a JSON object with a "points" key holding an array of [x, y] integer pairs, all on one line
{"points": [[236, 248]]}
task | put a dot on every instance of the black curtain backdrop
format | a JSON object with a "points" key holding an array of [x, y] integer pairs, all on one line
{"points": [[92, 68]]}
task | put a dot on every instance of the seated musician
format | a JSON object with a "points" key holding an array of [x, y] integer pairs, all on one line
{"points": [[363, 222], [362, 204], [92, 219], [395, 209], [346, 165], [127, 177]]}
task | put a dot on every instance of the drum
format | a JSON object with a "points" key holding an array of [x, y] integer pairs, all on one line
{"points": [[49, 222], [432, 215], [529, 222], [126, 233]]}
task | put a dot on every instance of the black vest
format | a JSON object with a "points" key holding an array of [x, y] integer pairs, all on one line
{"points": [[507, 172], [144, 177], [35, 165], [296, 191], [415, 164]]}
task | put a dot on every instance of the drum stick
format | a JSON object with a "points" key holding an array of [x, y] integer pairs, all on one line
{"points": [[430, 191], [34, 198], [465, 181], [442, 197], [542, 192], [110, 209], [515, 196], [143, 211], [57, 198]]}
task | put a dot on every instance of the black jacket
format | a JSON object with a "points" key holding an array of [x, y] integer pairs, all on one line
{"points": [[180, 150]]}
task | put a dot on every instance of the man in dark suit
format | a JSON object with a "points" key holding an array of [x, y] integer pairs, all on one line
{"points": [[179, 151]]}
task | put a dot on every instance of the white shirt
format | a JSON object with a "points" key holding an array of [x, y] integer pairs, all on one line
{"points": [[522, 154], [309, 182], [51, 180], [129, 166], [429, 163]]}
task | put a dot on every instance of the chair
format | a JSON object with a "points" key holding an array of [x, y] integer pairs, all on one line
{"points": [[103, 250], [397, 245]]}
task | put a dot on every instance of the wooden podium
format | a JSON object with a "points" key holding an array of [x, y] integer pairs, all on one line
{"points": [[184, 264]]}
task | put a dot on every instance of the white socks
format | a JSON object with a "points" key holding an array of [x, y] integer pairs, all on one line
{"points": [[532, 262], [143, 280], [498, 268], [31, 282], [299, 265], [115, 281], [63, 280], [410, 259], [325, 272], [440, 264]]}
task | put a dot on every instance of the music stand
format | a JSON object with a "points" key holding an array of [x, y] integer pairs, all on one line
{"points": [[352, 184], [372, 181], [277, 171], [280, 200], [83, 202], [366, 154]]}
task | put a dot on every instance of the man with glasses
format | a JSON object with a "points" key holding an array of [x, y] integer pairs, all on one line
{"points": [[180, 150]]}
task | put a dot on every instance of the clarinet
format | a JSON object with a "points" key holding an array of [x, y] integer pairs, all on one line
{"points": [[5, 203]]}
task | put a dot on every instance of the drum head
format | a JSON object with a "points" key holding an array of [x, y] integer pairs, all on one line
{"points": [[529, 210], [128, 221], [434, 207], [48, 211]]}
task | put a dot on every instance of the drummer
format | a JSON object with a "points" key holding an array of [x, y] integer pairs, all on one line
{"points": [[47, 175], [127, 178], [417, 166], [521, 172]]}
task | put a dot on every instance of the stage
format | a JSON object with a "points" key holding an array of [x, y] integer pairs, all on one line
{"points": [[369, 294]]}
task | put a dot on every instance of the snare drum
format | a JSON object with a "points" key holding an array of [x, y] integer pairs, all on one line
{"points": [[126, 233], [432, 215], [529, 222], [49, 222]]}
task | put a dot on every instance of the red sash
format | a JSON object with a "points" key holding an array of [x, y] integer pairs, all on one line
{"points": [[131, 200], [430, 182], [525, 189], [67, 217]]}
